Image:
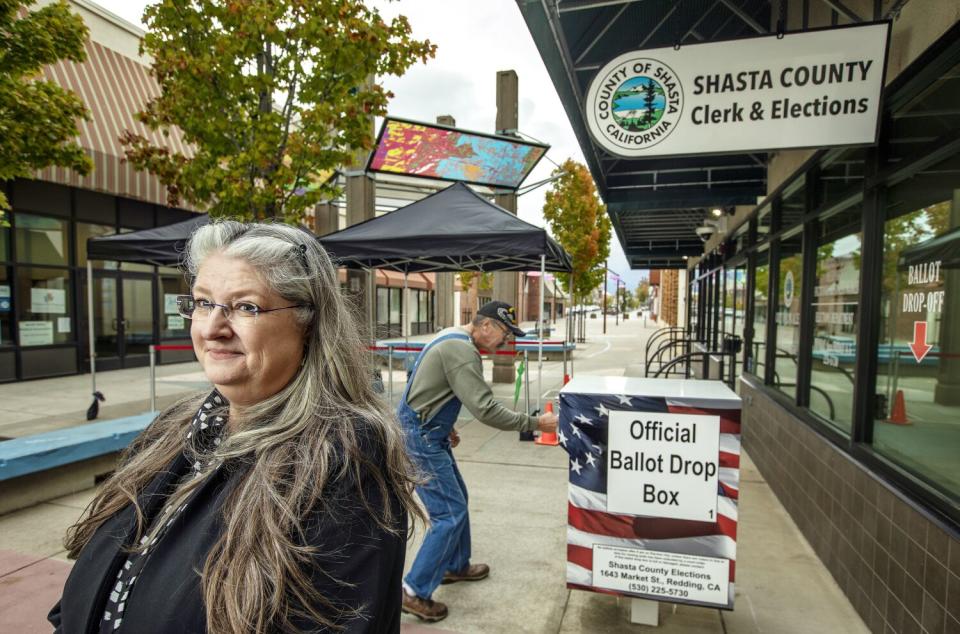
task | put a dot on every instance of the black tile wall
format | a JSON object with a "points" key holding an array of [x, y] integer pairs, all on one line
{"points": [[900, 570]]}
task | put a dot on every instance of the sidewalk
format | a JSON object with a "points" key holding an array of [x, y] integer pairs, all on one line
{"points": [[518, 521]]}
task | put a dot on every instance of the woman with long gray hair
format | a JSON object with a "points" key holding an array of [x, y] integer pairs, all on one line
{"points": [[278, 501]]}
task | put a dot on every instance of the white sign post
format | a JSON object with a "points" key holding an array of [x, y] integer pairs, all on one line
{"points": [[813, 89]]}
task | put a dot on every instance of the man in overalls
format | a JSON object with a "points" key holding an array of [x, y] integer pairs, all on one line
{"points": [[448, 374]]}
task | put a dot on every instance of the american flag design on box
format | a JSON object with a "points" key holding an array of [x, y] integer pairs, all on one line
{"points": [[585, 405]]}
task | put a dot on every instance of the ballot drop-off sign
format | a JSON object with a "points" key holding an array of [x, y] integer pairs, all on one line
{"points": [[662, 464]]}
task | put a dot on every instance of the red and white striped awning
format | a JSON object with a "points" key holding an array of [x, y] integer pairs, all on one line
{"points": [[114, 88]]}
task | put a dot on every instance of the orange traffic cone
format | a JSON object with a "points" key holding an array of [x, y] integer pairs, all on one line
{"points": [[899, 414], [548, 438], [566, 379]]}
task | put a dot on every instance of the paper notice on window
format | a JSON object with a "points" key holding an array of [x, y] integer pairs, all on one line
{"points": [[63, 324], [175, 322], [48, 300], [36, 333], [5, 302], [170, 304]]}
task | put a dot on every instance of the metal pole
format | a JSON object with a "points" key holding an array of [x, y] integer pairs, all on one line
{"points": [[153, 378], [90, 328], [543, 271], [565, 375], [617, 291], [571, 320], [604, 302], [526, 383], [405, 305], [390, 373]]}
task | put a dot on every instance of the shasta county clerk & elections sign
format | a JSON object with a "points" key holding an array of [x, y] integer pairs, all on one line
{"points": [[812, 89]]}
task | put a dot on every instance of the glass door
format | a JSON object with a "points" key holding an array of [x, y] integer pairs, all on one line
{"points": [[136, 324], [106, 322]]}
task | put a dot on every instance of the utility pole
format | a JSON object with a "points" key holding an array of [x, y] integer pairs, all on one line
{"points": [[505, 285], [443, 302], [603, 304], [618, 303], [361, 195]]}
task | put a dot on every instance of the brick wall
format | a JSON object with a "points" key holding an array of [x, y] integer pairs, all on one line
{"points": [[900, 570], [669, 287]]}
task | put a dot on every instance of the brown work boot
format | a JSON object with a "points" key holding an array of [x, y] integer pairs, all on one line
{"points": [[424, 609], [473, 572]]}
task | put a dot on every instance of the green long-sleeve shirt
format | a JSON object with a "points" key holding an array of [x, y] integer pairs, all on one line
{"points": [[454, 368]]}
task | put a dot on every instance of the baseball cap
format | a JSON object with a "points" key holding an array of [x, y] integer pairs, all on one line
{"points": [[504, 313]]}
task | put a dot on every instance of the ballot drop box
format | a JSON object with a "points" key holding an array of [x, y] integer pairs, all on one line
{"points": [[654, 470]]}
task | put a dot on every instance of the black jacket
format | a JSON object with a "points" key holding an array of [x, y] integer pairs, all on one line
{"points": [[168, 597]]}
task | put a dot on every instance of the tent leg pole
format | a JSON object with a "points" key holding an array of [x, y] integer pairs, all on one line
{"points": [[390, 374], [90, 328], [405, 305], [153, 378], [526, 382], [543, 281], [570, 321]]}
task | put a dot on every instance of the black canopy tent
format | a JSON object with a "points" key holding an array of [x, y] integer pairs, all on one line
{"points": [[454, 229], [161, 246]]}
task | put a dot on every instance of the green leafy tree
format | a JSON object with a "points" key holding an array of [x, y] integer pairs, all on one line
{"points": [[38, 118], [642, 292], [271, 95], [580, 224]]}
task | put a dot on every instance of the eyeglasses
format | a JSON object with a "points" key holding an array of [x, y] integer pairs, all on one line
{"points": [[239, 312]]}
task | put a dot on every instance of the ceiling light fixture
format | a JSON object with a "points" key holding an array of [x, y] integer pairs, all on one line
{"points": [[716, 212]]}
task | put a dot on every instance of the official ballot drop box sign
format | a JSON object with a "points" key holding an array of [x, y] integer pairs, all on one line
{"points": [[654, 469]]}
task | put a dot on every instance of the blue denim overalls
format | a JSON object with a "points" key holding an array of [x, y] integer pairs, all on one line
{"points": [[446, 546]]}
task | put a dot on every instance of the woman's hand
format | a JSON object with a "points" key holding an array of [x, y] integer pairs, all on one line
{"points": [[454, 438]]}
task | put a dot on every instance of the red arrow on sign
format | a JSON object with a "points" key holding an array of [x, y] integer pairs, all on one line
{"points": [[919, 345]]}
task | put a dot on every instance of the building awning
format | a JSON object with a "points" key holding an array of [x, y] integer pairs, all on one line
{"points": [[655, 205], [114, 88]]}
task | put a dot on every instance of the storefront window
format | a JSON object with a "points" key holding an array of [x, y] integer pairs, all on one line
{"points": [[761, 298], [43, 306], [41, 240], [729, 301], [841, 174], [794, 203], [764, 223], [694, 305], [171, 323], [836, 298], [86, 230], [788, 315], [6, 308], [919, 354], [4, 244]]}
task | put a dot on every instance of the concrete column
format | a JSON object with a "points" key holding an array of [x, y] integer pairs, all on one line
{"points": [[326, 219], [361, 196], [444, 315], [506, 286]]}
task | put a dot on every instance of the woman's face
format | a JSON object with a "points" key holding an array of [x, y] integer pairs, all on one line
{"points": [[247, 358]]}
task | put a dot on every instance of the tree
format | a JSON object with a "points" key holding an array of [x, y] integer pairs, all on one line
{"points": [[473, 282], [270, 94], [580, 224], [649, 96], [642, 292], [38, 118]]}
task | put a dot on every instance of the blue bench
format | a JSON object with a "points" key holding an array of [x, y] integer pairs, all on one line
{"points": [[41, 452]]}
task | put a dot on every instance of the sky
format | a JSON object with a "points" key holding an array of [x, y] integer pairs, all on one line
{"points": [[474, 40]]}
